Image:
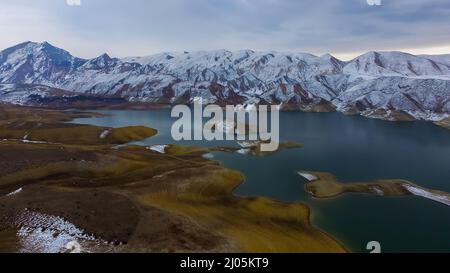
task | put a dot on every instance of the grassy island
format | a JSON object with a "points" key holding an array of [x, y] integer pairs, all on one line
{"points": [[325, 185]]}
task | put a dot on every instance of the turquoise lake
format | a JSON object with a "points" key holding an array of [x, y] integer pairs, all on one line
{"points": [[354, 149]]}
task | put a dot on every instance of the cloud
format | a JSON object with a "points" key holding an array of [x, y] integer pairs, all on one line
{"points": [[140, 27]]}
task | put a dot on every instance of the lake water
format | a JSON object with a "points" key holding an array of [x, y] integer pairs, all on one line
{"points": [[354, 149]]}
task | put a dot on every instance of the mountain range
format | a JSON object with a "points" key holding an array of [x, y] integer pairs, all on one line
{"points": [[387, 85]]}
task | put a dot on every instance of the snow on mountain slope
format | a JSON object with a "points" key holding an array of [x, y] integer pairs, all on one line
{"points": [[217, 76], [393, 81], [39, 63], [421, 98], [24, 94], [442, 59], [395, 64]]}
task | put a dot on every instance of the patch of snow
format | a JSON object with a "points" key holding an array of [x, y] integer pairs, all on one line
{"points": [[45, 233], [441, 198], [163, 174], [105, 133], [34, 142], [308, 176], [243, 151], [208, 156], [15, 192], [378, 191], [248, 144], [158, 148]]}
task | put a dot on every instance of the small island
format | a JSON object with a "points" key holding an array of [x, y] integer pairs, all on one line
{"points": [[325, 185]]}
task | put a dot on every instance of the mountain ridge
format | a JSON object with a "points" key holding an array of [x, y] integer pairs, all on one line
{"points": [[375, 82]]}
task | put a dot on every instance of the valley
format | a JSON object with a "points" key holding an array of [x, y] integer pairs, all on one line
{"points": [[64, 182], [158, 195]]}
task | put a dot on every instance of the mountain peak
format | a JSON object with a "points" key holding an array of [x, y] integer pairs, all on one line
{"points": [[327, 56], [47, 45], [104, 56], [38, 59], [100, 62], [32, 44], [27, 43]]}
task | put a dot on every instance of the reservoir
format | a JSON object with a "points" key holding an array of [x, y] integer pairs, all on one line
{"points": [[354, 149]]}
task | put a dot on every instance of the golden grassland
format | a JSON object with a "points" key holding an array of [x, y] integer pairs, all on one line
{"points": [[147, 201], [326, 185], [254, 224], [178, 150], [45, 126]]}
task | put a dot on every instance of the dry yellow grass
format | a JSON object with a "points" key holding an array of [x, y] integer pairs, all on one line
{"points": [[325, 185], [78, 134], [252, 224], [192, 197], [128, 134], [178, 150]]}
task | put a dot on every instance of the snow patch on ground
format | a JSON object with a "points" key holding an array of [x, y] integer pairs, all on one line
{"points": [[308, 176], [243, 151], [163, 174], [45, 233], [441, 198], [15, 192], [208, 156], [248, 144], [378, 191], [105, 133], [158, 148], [34, 142]]}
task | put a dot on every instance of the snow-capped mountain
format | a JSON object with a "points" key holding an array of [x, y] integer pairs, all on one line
{"points": [[398, 64], [34, 63], [383, 81]]}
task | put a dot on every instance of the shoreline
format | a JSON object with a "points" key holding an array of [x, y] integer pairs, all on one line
{"points": [[377, 114], [176, 189]]}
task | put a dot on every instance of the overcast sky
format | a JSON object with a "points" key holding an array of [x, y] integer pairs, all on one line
{"points": [[122, 28]]}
